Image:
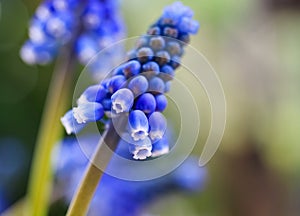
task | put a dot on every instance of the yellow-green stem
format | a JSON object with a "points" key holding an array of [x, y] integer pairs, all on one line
{"points": [[40, 180], [85, 191]]}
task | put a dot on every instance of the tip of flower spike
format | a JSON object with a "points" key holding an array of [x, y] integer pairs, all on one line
{"points": [[180, 16]]}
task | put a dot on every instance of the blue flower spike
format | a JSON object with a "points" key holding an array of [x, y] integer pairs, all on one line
{"points": [[138, 86], [138, 125], [158, 126], [56, 22], [122, 100]]}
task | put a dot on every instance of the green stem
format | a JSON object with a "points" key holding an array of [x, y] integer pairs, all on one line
{"points": [[49, 133], [85, 191]]}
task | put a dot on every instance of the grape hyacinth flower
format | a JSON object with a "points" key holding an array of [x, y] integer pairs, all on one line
{"points": [[69, 162], [91, 24], [138, 86]]}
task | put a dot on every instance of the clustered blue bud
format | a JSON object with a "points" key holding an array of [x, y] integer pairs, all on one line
{"points": [[138, 86], [92, 24]]}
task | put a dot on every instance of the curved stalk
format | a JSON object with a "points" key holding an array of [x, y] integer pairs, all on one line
{"points": [[87, 187], [50, 131]]}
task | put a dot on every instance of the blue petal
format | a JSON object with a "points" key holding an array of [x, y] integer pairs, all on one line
{"points": [[138, 125], [60, 26], [168, 86], [176, 11], [156, 85], [145, 54], [33, 53], [157, 43], [36, 32], [161, 102], [170, 32], [92, 15], [94, 93], [70, 123], [115, 83], [174, 48], [162, 57], [188, 25], [118, 70], [175, 62], [106, 103], [154, 31], [141, 150], [150, 69], [131, 68], [158, 125], [161, 147], [122, 100], [64, 5], [168, 73], [43, 12], [138, 85], [86, 48], [88, 112], [146, 102]]}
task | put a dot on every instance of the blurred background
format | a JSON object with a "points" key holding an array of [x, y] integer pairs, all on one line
{"points": [[254, 47]]}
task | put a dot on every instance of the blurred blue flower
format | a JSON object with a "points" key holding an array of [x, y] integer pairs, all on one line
{"points": [[14, 162], [3, 202], [91, 24], [116, 196], [137, 86]]}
